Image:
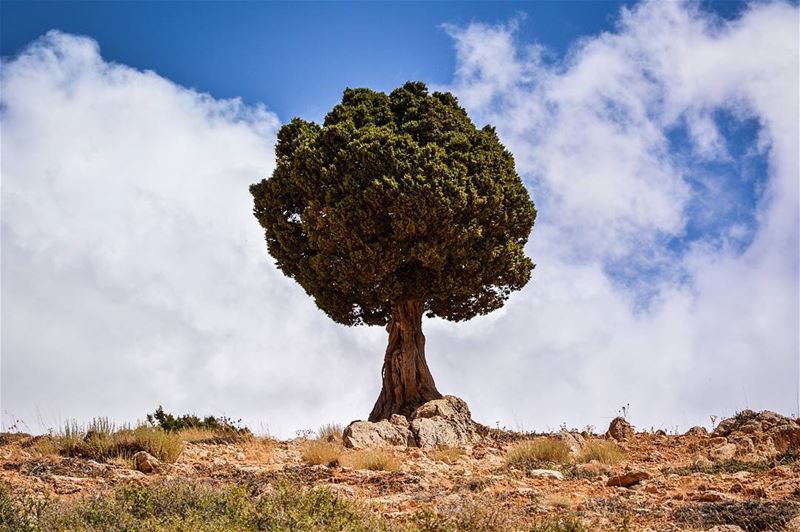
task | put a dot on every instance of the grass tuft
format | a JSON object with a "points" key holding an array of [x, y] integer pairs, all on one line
{"points": [[448, 455], [330, 432], [603, 451], [373, 460], [321, 452], [538, 452]]}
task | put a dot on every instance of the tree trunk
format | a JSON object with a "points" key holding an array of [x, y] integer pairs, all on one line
{"points": [[407, 381]]}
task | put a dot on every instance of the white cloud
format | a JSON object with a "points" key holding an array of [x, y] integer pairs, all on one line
{"points": [[133, 270], [134, 273], [591, 136]]}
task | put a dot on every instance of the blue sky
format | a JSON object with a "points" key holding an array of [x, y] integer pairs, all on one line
{"points": [[297, 56], [659, 141]]}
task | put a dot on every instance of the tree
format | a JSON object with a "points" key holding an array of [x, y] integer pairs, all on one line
{"points": [[397, 206]]}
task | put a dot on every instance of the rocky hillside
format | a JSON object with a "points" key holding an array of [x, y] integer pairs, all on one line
{"points": [[436, 471]]}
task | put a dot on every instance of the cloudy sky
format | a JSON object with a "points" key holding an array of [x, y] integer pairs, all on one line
{"points": [[658, 140]]}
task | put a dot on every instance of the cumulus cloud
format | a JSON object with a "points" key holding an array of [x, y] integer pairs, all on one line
{"points": [[133, 271], [625, 216], [134, 274]]}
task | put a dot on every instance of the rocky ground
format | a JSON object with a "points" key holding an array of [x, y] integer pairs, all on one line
{"points": [[744, 474]]}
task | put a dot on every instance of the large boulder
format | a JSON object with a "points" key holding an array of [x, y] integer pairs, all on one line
{"points": [[764, 431], [619, 429], [444, 422], [384, 433]]}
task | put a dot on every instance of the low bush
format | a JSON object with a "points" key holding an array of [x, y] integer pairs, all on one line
{"points": [[220, 426], [536, 453]]}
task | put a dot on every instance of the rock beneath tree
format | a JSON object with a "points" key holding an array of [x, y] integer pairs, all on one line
{"points": [[384, 433], [620, 429], [146, 462], [444, 422]]}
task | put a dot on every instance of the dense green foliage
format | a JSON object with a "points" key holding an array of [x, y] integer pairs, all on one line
{"points": [[394, 198], [171, 423]]}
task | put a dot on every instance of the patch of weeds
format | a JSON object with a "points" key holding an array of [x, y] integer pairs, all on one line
{"points": [[101, 441], [373, 460], [537, 453], [187, 506], [330, 432], [749, 515], [466, 518], [734, 466], [448, 455], [321, 452], [560, 524], [603, 451]]}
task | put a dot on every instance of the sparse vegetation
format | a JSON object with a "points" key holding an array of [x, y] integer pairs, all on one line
{"points": [[331, 432], [187, 506], [751, 516], [734, 465], [100, 440], [321, 452], [372, 459], [603, 451], [448, 455], [537, 452]]}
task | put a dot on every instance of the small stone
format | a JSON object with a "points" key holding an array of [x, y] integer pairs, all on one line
{"points": [[146, 463], [697, 431], [620, 429], [726, 528], [627, 480], [710, 496], [546, 473], [573, 440]]}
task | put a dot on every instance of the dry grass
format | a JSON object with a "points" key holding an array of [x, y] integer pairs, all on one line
{"points": [[101, 440], [330, 432], [448, 455], [373, 460], [534, 453], [603, 451], [320, 452]]}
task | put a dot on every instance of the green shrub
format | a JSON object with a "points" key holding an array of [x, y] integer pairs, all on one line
{"points": [[218, 425]]}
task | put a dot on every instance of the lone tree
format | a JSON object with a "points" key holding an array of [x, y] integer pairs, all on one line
{"points": [[397, 206]]}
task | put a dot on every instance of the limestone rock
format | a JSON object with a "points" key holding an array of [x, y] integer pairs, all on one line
{"points": [[146, 462], [365, 434], [444, 422], [765, 431], [573, 440], [725, 451], [697, 431], [620, 429], [628, 479], [546, 473]]}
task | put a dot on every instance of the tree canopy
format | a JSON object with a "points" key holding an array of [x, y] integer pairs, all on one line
{"points": [[397, 198]]}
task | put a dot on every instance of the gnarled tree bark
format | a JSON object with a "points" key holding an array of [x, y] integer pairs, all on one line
{"points": [[407, 381]]}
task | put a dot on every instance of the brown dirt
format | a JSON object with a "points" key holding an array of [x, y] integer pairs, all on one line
{"points": [[673, 497]]}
